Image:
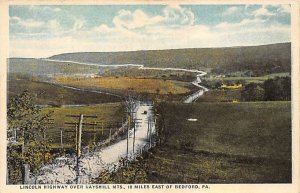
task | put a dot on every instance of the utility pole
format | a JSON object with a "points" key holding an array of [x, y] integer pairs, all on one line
{"points": [[128, 128], [78, 138], [150, 132], [23, 143], [94, 133], [134, 129], [109, 134], [61, 140], [16, 134], [50, 122], [133, 141], [130, 110]]}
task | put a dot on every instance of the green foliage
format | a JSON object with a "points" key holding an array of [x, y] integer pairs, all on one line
{"points": [[253, 92], [275, 89], [278, 88], [24, 116], [128, 172]]}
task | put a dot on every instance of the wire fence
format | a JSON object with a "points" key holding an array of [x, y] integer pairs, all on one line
{"points": [[85, 174]]}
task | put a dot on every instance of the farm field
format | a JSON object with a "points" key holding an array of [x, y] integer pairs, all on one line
{"points": [[111, 114], [229, 143], [139, 85], [48, 94]]}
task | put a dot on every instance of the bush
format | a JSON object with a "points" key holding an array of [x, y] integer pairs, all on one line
{"points": [[277, 89], [253, 92]]}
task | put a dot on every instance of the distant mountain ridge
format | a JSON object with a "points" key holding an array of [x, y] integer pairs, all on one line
{"points": [[272, 58]]}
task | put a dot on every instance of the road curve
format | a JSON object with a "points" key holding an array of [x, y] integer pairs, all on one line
{"points": [[196, 82]]}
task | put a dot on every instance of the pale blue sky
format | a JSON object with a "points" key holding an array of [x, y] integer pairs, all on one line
{"points": [[41, 31]]}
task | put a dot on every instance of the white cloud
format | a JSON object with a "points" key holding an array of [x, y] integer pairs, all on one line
{"points": [[282, 8], [44, 8], [136, 19], [173, 15], [230, 11], [285, 8], [262, 12], [54, 27], [136, 30], [78, 24], [28, 23], [244, 24], [103, 28]]}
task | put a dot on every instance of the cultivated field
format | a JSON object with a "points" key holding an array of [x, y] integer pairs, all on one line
{"points": [[229, 143], [125, 84]]}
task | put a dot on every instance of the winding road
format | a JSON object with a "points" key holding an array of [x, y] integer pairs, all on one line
{"points": [[189, 99], [63, 170]]}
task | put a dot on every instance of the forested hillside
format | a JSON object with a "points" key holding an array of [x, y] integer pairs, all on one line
{"points": [[259, 60]]}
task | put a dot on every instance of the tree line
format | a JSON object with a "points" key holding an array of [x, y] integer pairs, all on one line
{"points": [[276, 89]]}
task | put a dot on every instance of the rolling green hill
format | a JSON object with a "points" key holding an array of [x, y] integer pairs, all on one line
{"points": [[260, 60], [31, 66], [49, 94]]}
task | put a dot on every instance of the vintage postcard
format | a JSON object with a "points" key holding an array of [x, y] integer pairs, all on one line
{"points": [[150, 96]]}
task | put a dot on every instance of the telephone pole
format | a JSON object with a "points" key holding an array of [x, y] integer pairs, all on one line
{"points": [[78, 137], [130, 110], [134, 129]]}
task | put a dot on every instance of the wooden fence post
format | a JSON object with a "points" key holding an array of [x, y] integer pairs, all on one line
{"points": [[25, 173]]}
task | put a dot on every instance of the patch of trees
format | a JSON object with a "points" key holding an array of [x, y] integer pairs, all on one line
{"points": [[27, 125], [277, 89]]}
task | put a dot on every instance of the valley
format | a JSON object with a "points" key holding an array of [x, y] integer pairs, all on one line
{"points": [[204, 127]]}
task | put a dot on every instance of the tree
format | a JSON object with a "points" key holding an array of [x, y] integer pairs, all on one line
{"points": [[253, 92], [24, 116], [278, 88]]}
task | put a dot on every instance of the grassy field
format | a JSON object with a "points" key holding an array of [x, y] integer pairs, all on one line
{"points": [[220, 95], [149, 73], [139, 85], [230, 143], [111, 114], [47, 94]]}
